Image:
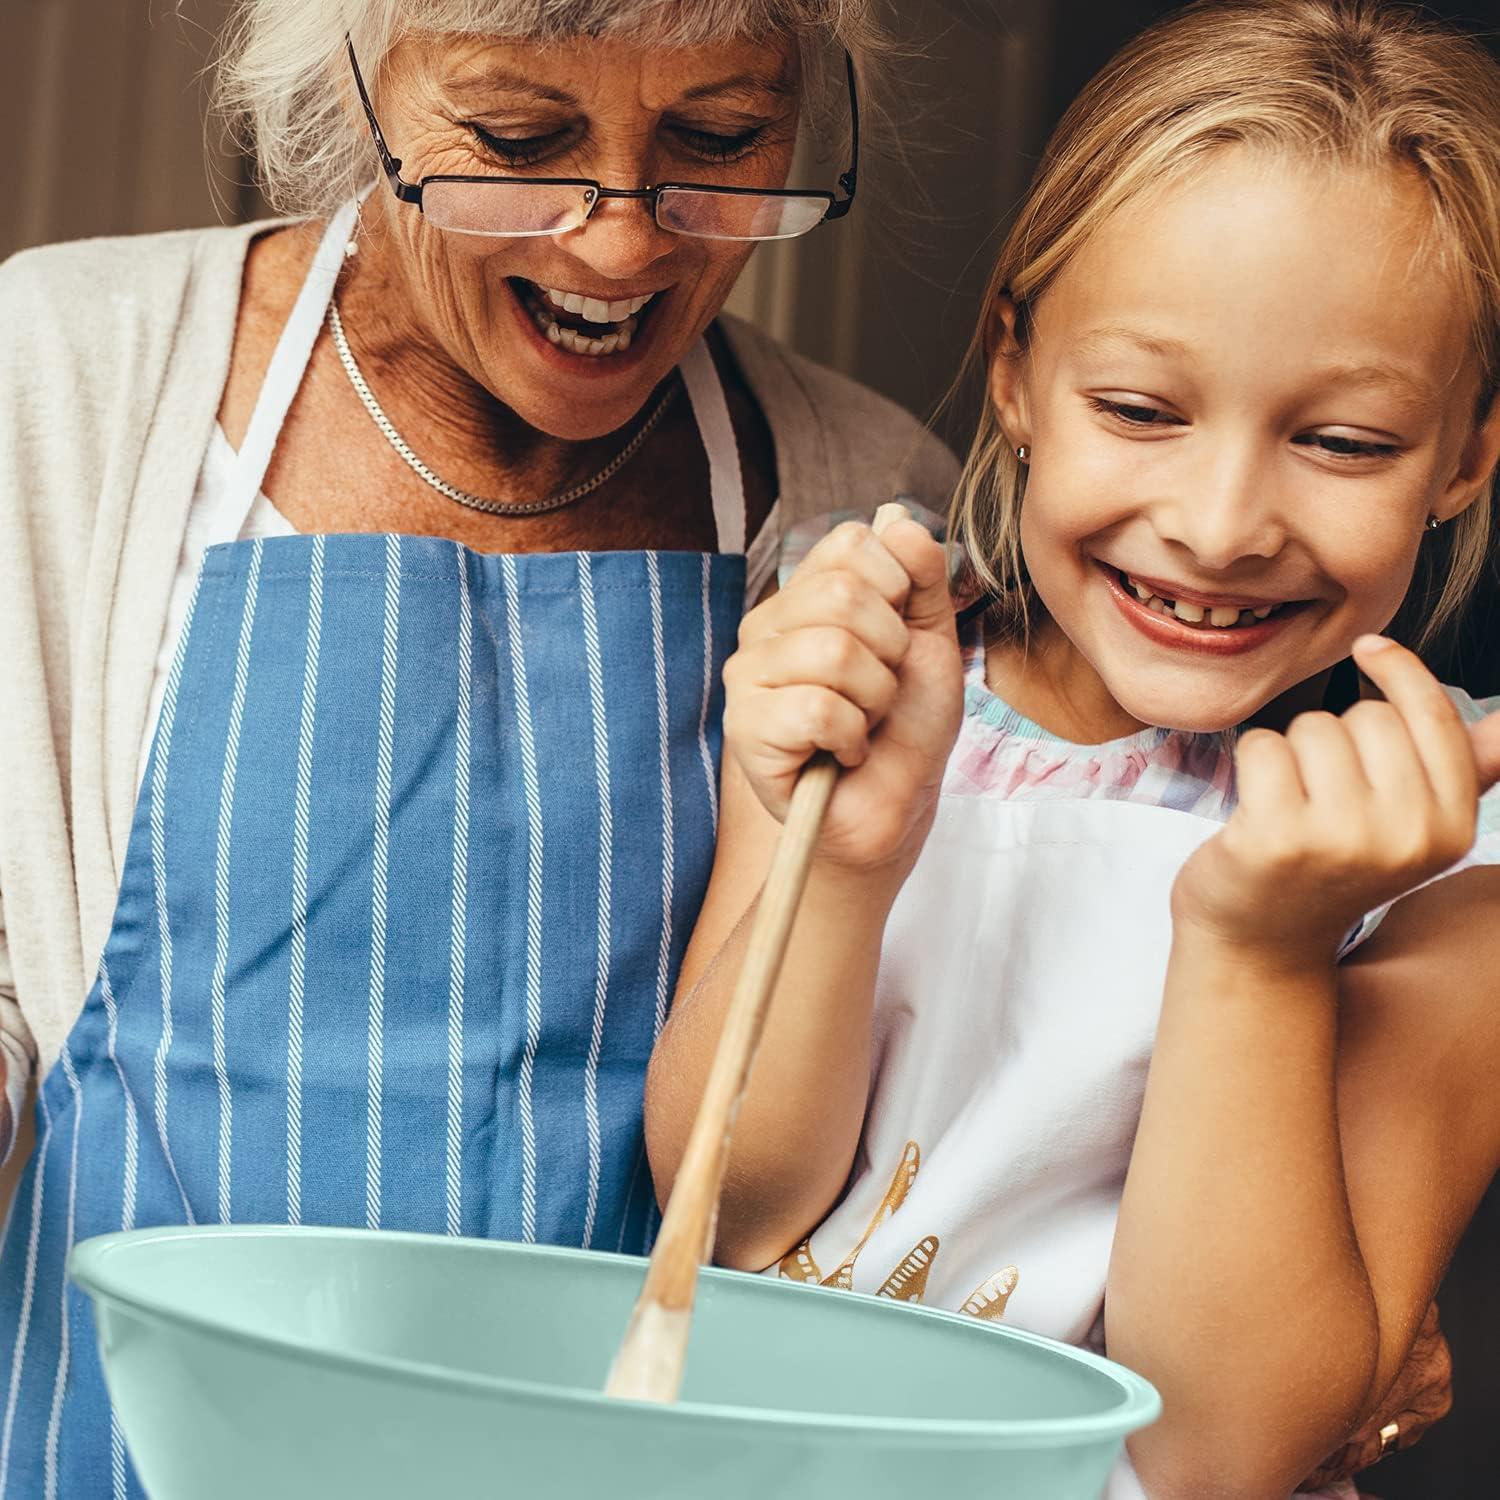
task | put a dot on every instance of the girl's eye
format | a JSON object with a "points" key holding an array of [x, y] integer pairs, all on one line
{"points": [[712, 146], [1344, 447], [1134, 415], [519, 151]]}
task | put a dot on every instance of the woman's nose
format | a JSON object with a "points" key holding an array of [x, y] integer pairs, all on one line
{"points": [[620, 240]]}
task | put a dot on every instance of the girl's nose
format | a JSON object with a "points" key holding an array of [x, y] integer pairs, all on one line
{"points": [[1225, 512]]}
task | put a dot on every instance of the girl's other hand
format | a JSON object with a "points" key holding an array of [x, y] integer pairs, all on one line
{"points": [[857, 655], [1340, 815]]}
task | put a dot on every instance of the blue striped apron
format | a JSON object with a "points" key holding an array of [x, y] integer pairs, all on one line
{"points": [[422, 836]]}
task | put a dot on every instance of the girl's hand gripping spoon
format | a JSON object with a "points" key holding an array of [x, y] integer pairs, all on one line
{"points": [[649, 1364]]}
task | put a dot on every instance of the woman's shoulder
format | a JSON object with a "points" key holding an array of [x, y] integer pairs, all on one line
{"points": [[107, 343], [835, 437], [82, 291]]}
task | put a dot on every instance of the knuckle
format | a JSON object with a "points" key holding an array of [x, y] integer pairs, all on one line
{"points": [[1313, 725], [840, 653], [823, 714], [847, 537], [841, 592]]}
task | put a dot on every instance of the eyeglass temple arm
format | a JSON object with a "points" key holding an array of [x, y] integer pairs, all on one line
{"points": [[391, 165], [849, 181]]}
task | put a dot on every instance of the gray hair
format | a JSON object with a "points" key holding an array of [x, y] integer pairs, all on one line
{"points": [[281, 75]]}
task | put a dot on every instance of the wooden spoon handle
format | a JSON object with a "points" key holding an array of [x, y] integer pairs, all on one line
{"points": [[649, 1364]]}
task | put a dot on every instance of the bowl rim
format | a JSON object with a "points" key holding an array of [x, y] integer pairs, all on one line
{"points": [[1139, 1405]]}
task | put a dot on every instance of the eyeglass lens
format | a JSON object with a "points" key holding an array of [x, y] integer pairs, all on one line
{"points": [[738, 216], [505, 208], [501, 209]]}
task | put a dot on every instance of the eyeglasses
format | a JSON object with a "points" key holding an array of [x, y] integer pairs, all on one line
{"points": [[517, 207]]}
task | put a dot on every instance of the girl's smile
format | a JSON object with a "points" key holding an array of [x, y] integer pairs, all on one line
{"points": [[1184, 619], [1237, 431]]}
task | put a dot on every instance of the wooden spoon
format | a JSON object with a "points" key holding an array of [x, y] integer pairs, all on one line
{"points": [[649, 1364]]}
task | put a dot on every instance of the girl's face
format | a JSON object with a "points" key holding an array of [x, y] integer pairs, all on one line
{"points": [[622, 114], [1243, 399]]}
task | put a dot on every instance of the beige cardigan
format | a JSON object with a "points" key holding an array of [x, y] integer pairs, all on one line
{"points": [[113, 355]]}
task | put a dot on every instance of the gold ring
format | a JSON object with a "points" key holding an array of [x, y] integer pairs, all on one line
{"points": [[1388, 1436]]}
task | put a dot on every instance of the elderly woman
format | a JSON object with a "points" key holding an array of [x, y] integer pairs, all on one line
{"points": [[364, 586]]}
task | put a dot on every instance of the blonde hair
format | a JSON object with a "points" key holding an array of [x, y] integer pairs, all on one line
{"points": [[1352, 81], [282, 83]]}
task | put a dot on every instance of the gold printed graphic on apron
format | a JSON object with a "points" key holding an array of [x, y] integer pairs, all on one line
{"points": [[908, 1282], [987, 1303]]}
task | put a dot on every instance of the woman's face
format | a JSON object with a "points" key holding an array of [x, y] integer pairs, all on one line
{"points": [[1243, 398], [622, 114]]}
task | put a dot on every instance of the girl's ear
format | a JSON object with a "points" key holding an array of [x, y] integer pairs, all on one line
{"points": [[1007, 369], [1476, 466]]}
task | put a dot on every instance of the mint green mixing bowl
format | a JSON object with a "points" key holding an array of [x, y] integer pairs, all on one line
{"points": [[251, 1363]]}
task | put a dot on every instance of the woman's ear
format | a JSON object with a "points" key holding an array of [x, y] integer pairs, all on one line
{"points": [[1007, 369], [1476, 465]]}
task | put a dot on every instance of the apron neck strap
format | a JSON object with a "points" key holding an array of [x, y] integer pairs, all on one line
{"points": [[726, 483], [290, 361]]}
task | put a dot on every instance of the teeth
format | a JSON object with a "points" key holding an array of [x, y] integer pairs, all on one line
{"points": [[580, 343], [1219, 618], [595, 309]]}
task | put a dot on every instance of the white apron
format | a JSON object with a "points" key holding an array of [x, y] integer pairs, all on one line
{"points": [[1016, 1009]]}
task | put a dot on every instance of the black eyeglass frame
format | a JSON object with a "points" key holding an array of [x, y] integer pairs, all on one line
{"points": [[596, 192]]}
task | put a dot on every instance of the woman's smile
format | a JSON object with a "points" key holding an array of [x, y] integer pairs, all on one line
{"points": [[599, 334]]}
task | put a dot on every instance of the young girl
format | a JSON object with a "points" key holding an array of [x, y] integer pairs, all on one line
{"points": [[1098, 1013]]}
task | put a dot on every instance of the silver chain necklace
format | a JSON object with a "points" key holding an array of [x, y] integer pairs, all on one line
{"points": [[463, 497]]}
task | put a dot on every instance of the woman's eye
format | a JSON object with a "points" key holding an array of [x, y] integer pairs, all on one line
{"points": [[1133, 414], [712, 146], [518, 150], [1344, 447]]}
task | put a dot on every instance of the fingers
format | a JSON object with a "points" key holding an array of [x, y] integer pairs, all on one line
{"points": [[929, 605], [1328, 764], [777, 732], [822, 656], [822, 662], [1267, 773], [1484, 740], [1437, 732], [835, 598]]}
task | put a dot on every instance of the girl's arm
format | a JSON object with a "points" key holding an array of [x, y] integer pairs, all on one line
{"points": [[858, 656], [1314, 1138]]}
